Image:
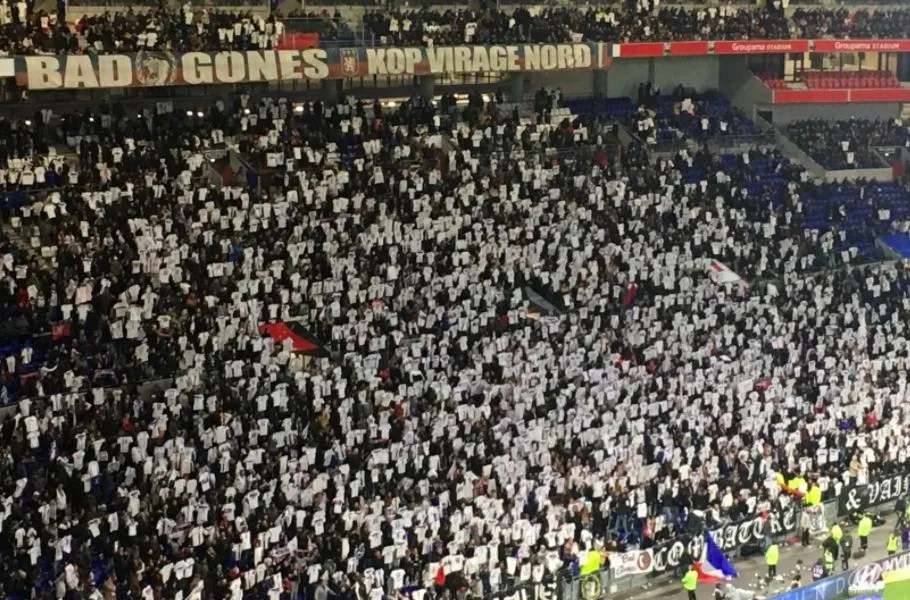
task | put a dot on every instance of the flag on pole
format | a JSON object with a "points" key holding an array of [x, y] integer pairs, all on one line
{"points": [[714, 565]]}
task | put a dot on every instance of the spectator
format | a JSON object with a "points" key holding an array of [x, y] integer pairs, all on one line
{"points": [[847, 144], [522, 345]]}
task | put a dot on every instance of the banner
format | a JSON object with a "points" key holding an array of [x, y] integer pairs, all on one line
{"points": [[527, 590], [861, 45], [760, 47], [154, 68], [627, 563], [885, 490], [298, 58], [588, 587], [718, 47], [809, 96], [699, 48], [837, 585], [817, 523], [667, 556], [642, 49]]}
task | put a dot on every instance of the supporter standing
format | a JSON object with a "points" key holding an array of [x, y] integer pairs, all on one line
{"points": [[771, 556], [690, 582], [863, 529], [846, 551], [891, 546]]}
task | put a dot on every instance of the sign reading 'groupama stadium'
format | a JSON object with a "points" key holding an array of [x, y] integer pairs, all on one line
{"points": [[152, 68]]}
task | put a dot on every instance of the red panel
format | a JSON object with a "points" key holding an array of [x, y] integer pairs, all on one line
{"points": [[861, 45], [297, 41], [880, 95], [641, 49], [688, 48], [761, 46], [802, 96]]}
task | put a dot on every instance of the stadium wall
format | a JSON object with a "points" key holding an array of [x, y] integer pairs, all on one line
{"points": [[623, 77], [883, 174], [737, 83], [698, 72], [574, 83]]}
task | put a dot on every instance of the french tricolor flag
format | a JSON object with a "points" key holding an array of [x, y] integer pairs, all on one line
{"points": [[713, 566]]}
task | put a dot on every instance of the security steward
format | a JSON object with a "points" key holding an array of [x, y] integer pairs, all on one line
{"points": [[863, 530], [828, 562], [690, 582], [892, 543], [771, 556], [837, 535]]}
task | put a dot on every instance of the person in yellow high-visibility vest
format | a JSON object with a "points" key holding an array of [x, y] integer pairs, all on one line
{"points": [[863, 530], [892, 543], [828, 562], [814, 496], [690, 582], [797, 484], [771, 556], [591, 563], [836, 534]]}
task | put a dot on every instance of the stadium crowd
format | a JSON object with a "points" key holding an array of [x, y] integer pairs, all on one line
{"points": [[847, 144], [616, 24], [25, 32], [528, 356], [182, 30]]}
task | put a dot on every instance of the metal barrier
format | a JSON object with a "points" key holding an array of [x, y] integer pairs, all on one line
{"points": [[383, 4], [242, 5], [668, 559], [716, 144], [115, 3], [233, 4], [608, 585], [837, 585], [726, 143], [671, 146]]}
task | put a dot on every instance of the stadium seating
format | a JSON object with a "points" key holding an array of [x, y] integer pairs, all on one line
{"points": [[432, 348], [773, 82], [849, 79]]}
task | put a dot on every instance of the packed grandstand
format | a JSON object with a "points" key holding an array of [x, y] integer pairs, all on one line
{"points": [[255, 347], [23, 32]]}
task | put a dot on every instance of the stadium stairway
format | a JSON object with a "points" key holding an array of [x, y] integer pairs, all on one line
{"points": [[20, 239], [895, 245]]}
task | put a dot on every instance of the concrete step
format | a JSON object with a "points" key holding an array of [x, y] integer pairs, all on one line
{"points": [[21, 237]]}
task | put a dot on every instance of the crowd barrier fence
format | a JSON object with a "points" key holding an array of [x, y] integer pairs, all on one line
{"points": [[664, 560], [835, 586]]}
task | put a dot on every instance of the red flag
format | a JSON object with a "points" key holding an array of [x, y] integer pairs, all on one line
{"points": [[629, 296], [297, 41]]}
